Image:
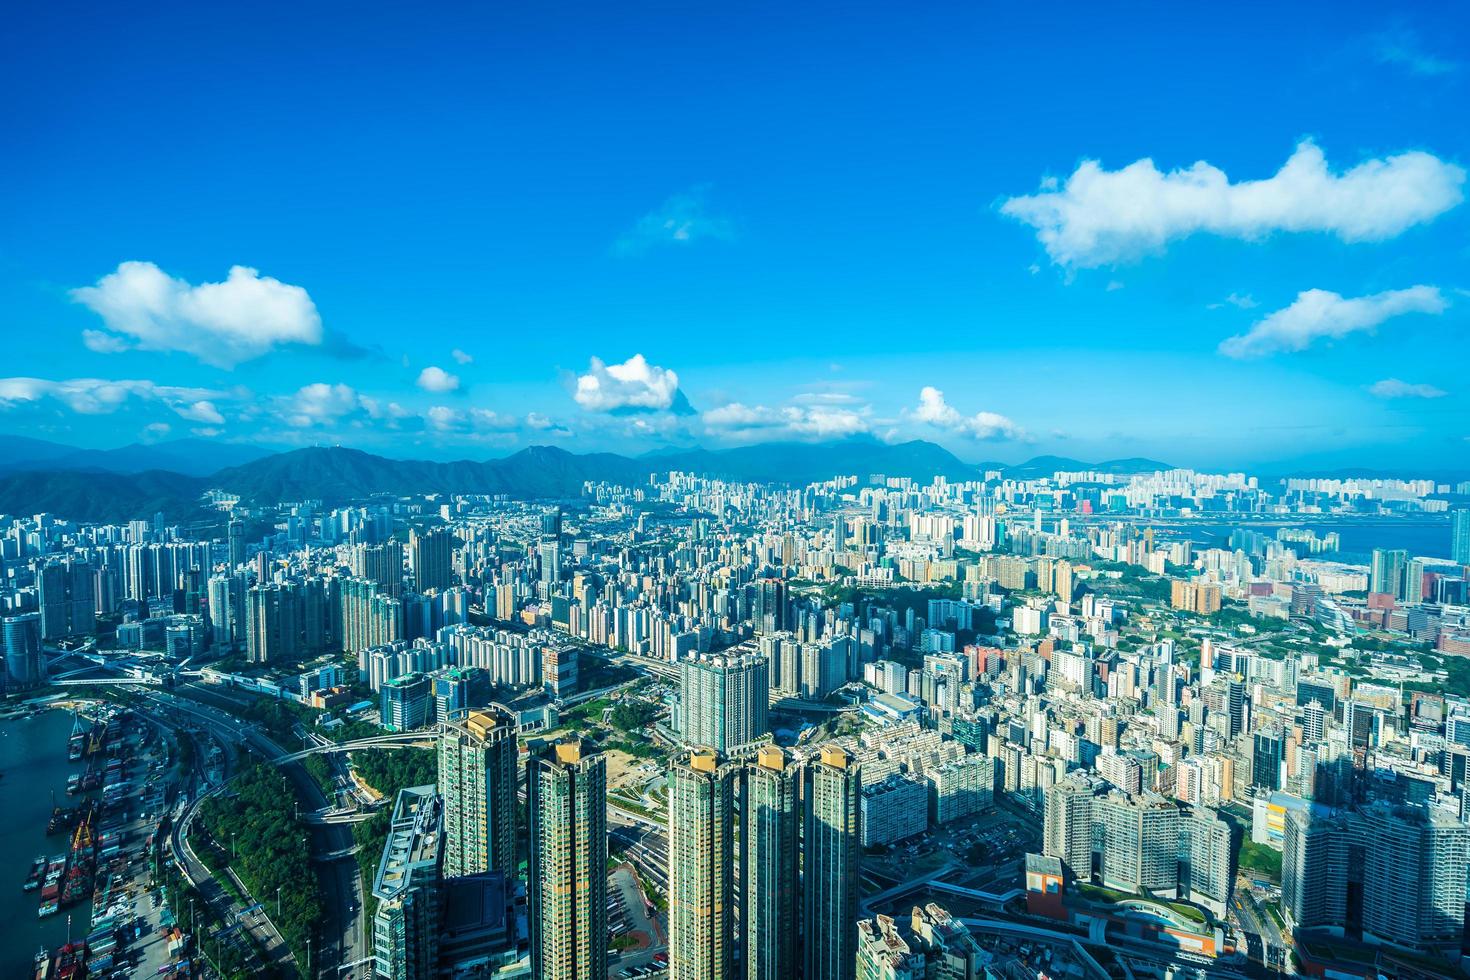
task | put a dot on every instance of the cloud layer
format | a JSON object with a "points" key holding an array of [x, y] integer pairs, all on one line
{"points": [[220, 323], [1319, 313], [1394, 388], [634, 385], [934, 410], [98, 396], [1100, 217]]}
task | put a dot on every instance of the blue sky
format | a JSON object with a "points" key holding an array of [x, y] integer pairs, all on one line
{"points": [[602, 227]]}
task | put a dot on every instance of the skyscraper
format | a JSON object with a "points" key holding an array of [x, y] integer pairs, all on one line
{"points": [[724, 701], [831, 856], [1460, 536], [477, 778], [701, 867], [566, 787], [236, 541], [1386, 573], [25, 665], [431, 555], [406, 924], [1395, 872], [768, 866], [65, 591]]}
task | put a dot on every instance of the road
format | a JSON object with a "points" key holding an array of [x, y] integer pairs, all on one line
{"points": [[258, 925], [341, 937]]}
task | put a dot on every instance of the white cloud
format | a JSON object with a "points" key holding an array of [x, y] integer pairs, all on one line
{"points": [[794, 421], [437, 380], [220, 323], [633, 385], [203, 411], [681, 219], [460, 357], [1241, 301], [934, 410], [1404, 49], [325, 404], [1100, 217], [1318, 313], [98, 396], [1394, 388]]}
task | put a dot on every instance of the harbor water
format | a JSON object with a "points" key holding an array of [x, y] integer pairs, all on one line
{"points": [[33, 769]]}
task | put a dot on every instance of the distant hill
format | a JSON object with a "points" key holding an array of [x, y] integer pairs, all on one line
{"points": [[337, 475], [195, 457], [547, 471], [99, 496]]}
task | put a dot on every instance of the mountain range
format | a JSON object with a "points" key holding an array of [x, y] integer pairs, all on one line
{"points": [[139, 481]]}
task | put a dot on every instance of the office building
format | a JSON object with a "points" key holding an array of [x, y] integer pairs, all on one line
{"points": [[566, 805], [25, 664], [406, 923], [724, 701], [404, 703], [1388, 571], [1460, 536], [831, 855], [701, 867], [477, 779], [769, 833], [235, 535]]}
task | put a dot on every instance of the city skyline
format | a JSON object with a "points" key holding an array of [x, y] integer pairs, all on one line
{"points": [[1064, 236]]}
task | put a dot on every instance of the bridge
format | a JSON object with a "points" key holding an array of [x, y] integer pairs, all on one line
{"points": [[395, 740], [68, 681], [331, 817]]}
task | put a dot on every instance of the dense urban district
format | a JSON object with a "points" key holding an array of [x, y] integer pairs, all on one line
{"points": [[1104, 724]]}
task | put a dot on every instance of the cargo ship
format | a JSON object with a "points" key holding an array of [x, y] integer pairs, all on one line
{"points": [[71, 962], [43, 965], [38, 872], [52, 883]]}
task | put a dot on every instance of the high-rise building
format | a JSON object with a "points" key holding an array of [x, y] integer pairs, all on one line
{"points": [[831, 857], [1137, 844], [724, 701], [1397, 873], [477, 778], [1387, 571], [407, 921], [405, 703], [272, 623], [65, 591], [701, 867], [25, 664], [1266, 759], [381, 564], [1460, 536], [769, 831], [431, 556], [566, 805], [235, 536]]}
